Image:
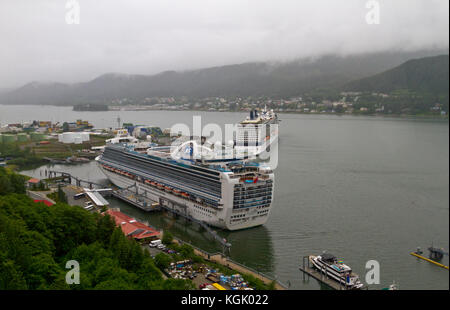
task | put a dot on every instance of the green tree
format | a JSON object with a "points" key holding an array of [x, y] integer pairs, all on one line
{"points": [[61, 195], [167, 237], [186, 251], [162, 261], [10, 277], [36, 241], [5, 185]]}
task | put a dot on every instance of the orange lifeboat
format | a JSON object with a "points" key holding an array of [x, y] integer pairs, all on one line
{"points": [[176, 192], [185, 195], [167, 188]]}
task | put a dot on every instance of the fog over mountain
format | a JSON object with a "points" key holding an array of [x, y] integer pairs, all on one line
{"points": [[425, 75], [147, 37], [248, 79]]}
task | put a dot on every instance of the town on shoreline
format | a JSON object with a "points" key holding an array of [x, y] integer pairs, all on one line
{"points": [[350, 103]]}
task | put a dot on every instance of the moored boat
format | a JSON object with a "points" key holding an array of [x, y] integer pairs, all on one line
{"points": [[335, 269]]}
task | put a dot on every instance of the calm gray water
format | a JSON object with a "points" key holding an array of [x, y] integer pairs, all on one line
{"points": [[362, 188]]}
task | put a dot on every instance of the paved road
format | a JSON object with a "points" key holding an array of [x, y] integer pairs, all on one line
{"points": [[40, 195]]}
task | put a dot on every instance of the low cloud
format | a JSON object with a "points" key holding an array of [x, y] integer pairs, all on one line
{"points": [[146, 37]]}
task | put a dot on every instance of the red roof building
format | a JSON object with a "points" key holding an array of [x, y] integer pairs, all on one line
{"points": [[131, 227], [33, 182]]}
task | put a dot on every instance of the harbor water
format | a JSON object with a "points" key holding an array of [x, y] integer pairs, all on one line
{"points": [[362, 188]]}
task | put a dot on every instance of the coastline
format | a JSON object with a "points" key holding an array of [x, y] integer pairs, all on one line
{"points": [[147, 108]]}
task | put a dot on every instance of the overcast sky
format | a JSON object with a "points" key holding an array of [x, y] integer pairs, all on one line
{"points": [[149, 36]]}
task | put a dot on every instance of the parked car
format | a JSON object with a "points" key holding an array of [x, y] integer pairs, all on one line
{"points": [[161, 246], [154, 243], [79, 196]]}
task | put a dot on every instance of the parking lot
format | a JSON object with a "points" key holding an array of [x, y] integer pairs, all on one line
{"points": [[200, 273], [71, 191]]}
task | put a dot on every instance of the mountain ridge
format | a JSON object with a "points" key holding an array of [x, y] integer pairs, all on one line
{"points": [[272, 79], [428, 74]]}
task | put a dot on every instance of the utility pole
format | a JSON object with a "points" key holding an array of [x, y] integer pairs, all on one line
{"points": [[118, 122]]}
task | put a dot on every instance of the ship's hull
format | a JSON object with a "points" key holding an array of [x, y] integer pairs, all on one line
{"points": [[216, 218]]}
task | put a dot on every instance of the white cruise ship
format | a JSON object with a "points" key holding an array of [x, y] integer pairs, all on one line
{"points": [[257, 133], [225, 193]]}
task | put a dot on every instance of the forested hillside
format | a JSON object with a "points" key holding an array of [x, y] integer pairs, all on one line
{"points": [[424, 75], [36, 241]]}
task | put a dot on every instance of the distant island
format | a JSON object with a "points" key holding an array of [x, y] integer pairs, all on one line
{"points": [[90, 107]]}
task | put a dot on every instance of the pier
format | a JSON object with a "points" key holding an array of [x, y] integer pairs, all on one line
{"points": [[140, 201], [321, 276], [65, 177]]}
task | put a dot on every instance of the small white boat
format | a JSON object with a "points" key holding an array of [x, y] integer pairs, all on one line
{"points": [[335, 269]]}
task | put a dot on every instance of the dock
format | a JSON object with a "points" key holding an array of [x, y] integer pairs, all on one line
{"points": [[310, 271], [428, 260], [140, 201], [64, 177]]}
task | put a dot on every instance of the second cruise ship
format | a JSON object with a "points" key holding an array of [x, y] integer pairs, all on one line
{"points": [[258, 132]]}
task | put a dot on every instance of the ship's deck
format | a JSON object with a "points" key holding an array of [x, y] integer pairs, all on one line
{"points": [[235, 165]]}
